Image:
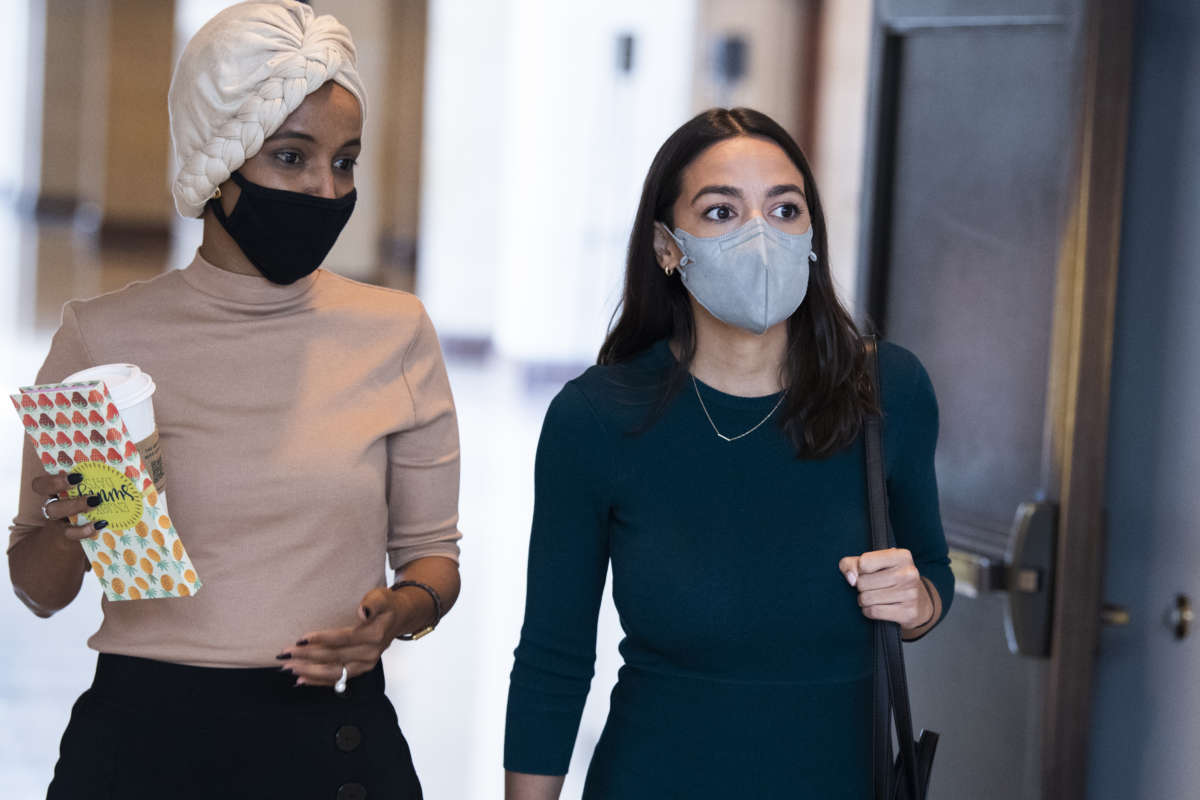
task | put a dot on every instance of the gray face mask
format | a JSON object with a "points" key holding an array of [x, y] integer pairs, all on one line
{"points": [[753, 277]]}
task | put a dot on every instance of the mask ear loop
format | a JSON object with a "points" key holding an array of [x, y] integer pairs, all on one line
{"points": [[684, 260], [214, 202]]}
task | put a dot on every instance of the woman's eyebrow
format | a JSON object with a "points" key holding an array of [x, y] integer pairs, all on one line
{"points": [[731, 191], [288, 133], [784, 188]]}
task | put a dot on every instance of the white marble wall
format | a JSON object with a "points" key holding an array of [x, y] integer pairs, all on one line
{"points": [[535, 149]]}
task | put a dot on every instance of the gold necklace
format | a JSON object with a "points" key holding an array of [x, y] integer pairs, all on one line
{"points": [[722, 436]]}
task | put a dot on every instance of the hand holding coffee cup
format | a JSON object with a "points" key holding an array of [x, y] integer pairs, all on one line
{"points": [[132, 392]]}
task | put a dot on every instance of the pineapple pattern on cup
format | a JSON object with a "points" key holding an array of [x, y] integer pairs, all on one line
{"points": [[145, 559]]}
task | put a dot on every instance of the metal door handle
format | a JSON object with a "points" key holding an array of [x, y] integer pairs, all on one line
{"points": [[1026, 573], [1181, 617], [1114, 615], [1031, 554]]}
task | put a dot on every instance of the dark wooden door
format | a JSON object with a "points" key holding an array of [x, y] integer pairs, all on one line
{"points": [[993, 183]]}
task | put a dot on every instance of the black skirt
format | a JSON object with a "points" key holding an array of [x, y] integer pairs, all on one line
{"points": [[151, 729]]}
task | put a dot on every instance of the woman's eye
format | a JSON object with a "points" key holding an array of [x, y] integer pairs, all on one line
{"points": [[288, 156], [719, 213], [786, 211], [345, 164]]}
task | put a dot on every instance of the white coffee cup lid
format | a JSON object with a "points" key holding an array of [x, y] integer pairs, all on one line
{"points": [[127, 384]]}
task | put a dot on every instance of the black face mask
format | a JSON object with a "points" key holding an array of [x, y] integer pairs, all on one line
{"points": [[286, 235]]}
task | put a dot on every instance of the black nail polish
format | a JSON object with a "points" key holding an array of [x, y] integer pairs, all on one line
{"points": [[100, 525], [74, 479], [283, 656], [94, 501], [301, 643]]}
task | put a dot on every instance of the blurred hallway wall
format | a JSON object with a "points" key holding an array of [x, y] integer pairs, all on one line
{"points": [[541, 119], [16, 174], [772, 37], [838, 129], [581, 130], [98, 118], [461, 160]]}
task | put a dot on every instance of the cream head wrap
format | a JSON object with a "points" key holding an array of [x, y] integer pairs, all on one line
{"points": [[239, 78]]}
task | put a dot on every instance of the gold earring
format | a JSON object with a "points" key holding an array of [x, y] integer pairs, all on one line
{"points": [[217, 193]]}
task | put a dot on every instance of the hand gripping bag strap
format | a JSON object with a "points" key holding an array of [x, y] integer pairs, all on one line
{"points": [[908, 778]]}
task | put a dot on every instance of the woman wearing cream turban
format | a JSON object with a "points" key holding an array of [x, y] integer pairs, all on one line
{"points": [[309, 436]]}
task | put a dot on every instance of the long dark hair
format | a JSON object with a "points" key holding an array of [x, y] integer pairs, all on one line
{"points": [[829, 395]]}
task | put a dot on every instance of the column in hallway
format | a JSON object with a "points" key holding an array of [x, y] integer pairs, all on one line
{"points": [[122, 123]]}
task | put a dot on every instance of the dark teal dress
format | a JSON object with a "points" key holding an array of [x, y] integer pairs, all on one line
{"points": [[747, 661]]}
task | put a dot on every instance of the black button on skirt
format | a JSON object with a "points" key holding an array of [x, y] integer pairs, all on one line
{"points": [[151, 729]]}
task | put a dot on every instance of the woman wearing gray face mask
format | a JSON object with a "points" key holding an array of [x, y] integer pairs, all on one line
{"points": [[714, 457]]}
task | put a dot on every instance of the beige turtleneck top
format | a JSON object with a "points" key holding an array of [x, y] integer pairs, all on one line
{"points": [[307, 430]]}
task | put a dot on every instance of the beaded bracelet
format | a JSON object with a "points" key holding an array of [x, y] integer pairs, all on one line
{"points": [[437, 609]]}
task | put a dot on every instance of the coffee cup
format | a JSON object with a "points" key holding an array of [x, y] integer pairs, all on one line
{"points": [[132, 392]]}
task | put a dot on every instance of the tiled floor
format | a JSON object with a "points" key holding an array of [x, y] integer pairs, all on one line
{"points": [[449, 688]]}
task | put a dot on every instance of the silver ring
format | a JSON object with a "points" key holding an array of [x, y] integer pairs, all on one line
{"points": [[340, 686], [46, 504]]}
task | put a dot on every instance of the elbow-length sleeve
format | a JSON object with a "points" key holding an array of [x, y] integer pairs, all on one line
{"points": [[568, 562], [68, 354], [423, 459], [912, 481]]}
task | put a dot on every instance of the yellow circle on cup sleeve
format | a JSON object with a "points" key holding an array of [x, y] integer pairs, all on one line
{"points": [[121, 499]]}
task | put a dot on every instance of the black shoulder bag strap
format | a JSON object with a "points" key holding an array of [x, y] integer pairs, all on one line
{"points": [[908, 777]]}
